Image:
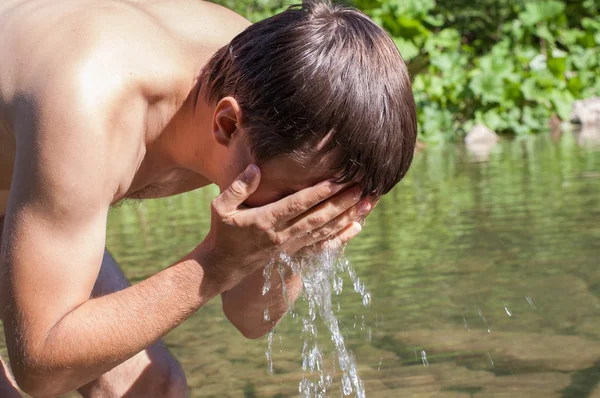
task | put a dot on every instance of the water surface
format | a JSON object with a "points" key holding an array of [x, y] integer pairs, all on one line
{"points": [[483, 276]]}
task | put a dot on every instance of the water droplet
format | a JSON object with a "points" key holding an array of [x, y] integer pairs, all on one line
{"points": [[490, 358], [465, 323], [424, 358], [507, 310], [530, 301], [267, 275], [269, 353], [489, 329]]}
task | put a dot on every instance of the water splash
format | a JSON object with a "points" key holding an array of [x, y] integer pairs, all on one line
{"points": [[491, 360], [489, 329], [267, 274], [530, 301], [424, 358], [321, 277], [269, 353], [465, 324], [507, 310]]}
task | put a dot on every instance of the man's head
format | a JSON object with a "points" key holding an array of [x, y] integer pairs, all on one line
{"points": [[314, 92]]}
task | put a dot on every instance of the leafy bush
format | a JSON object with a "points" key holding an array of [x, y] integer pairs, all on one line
{"points": [[510, 64]]}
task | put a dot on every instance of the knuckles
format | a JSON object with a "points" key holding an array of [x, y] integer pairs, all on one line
{"points": [[237, 188], [275, 238], [317, 221]]}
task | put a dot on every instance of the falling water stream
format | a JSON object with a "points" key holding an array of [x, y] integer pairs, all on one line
{"points": [[321, 277]]}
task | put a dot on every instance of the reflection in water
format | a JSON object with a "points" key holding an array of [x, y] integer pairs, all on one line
{"points": [[457, 249]]}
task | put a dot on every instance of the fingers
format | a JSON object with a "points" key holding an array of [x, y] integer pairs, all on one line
{"points": [[332, 228], [344, 236], [356, 213], [326, 212], [294, 205], [240, 189], [339, 240]]}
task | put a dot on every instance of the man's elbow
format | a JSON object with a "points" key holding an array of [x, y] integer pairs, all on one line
{"points": [[254, 333], [39, 380], [249, 328]]}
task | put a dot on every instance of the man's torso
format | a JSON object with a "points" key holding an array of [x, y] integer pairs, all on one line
{"points": [[162, 43]]}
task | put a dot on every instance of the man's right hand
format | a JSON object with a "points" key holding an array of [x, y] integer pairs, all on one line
{"points": [[242, 240]]}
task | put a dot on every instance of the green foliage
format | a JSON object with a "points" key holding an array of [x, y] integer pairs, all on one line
{"points": [[510, 64]]}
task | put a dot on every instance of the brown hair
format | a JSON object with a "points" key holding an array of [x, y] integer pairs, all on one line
{"points": [[318, 70]]}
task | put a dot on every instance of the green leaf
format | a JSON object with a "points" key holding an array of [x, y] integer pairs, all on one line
{"points": [[543, 32], [541, 11], [445, 39], [590, 24], [557, 64], [535, 119], [574, 85], [444, 62], [531, 91], [409, 28], [570, 36], [434, 20], [493, 120], [412, 8], [563, 103], [407, 49], [488, 86]]}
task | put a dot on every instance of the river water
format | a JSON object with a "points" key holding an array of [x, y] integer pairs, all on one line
{"points": [[484, 281]]}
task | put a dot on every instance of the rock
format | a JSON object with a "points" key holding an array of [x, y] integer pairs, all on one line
{"points": [[480, 142], [517, 351], [586, 112], [586, 116]]}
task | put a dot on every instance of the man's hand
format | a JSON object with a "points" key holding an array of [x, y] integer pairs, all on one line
{"points": [[243, 240], [248, 239]]}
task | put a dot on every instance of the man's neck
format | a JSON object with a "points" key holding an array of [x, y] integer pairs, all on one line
{"points": [[183, 145]]}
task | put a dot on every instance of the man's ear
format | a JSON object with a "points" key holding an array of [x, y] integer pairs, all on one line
{"points": [[226, 120]]}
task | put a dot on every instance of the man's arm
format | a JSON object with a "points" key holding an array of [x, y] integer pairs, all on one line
{"points": [[245, 305], [67, 172]]}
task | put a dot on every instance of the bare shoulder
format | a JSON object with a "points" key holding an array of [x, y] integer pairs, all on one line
{"points": [[108, 49], [117, 43], [90, 70]]}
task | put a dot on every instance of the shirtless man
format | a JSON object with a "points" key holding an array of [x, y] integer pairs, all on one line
{"points": [[102, 100]]}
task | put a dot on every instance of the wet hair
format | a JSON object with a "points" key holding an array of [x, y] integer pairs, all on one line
{"points": [[320, 71]]}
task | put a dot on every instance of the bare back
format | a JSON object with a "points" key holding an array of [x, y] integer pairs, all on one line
{"points": [[104, 52]]}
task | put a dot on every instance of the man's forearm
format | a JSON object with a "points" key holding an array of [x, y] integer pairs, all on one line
{"points": [[245, 305], [104, 332]]}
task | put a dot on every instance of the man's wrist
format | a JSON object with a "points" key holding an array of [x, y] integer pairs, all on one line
{"points": [[205, 259]]}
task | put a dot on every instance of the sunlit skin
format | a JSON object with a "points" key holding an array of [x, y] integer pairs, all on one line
{"points": [[109, 107]]}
